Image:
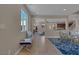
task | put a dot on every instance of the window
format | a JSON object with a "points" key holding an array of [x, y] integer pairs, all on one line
{"points": [[24, 21]]}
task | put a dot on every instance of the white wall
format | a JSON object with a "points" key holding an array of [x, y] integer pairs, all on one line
{"points": [[10, 33]]}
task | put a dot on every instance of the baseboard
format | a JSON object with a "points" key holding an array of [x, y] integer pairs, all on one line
{"points": [[17, 52]]}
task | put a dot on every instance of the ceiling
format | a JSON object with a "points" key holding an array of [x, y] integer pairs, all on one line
{"points": [[53, 9]]}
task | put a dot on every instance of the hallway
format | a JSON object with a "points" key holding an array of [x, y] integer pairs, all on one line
{"points": [[41, 46]]}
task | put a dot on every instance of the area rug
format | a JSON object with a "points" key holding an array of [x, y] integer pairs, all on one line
{"points": [[65, 46]]}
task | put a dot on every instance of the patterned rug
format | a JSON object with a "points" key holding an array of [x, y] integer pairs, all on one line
{"points": [[65, 46]]}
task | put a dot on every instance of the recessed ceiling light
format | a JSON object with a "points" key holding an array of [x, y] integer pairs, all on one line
{"points": [[65, 9]]}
